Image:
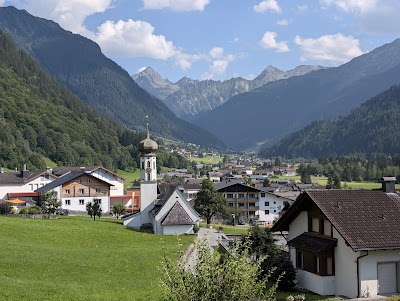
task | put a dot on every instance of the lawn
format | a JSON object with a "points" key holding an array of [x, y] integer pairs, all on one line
{"points": [[281, 296], [323, 180], [76, 258], [207, 160]]}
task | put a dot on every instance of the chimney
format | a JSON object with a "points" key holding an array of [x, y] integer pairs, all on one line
{"points": [[24, 172], [82, 168], [49, 169], [388, 184]]}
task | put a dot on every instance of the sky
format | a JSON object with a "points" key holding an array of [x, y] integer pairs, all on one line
{"points": [[221, 39]]}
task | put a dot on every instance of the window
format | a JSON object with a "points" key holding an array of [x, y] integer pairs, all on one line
{"points": [[263, 194], [274, 211], [266, 211], [252, 204], [67, 202], [87, 180], [252, 212], [266, 203], [241, 195], [67, 191], [230, 204], [142, 165], [322, 265], [274, 202], [81, 190], [99, 201], [251, 195], [98, 190], [148, 164], [81, 202], [241, 204], [229, 196], [46, 176], [79, 181]]}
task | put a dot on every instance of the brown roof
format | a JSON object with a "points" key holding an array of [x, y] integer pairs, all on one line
{"points": [[313, 242], [366, 219], [177, 216]]}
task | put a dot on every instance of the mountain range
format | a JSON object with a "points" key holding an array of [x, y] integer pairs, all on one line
{"points": [[372, 128], [267, 114], [188, 97], [78, 64]]}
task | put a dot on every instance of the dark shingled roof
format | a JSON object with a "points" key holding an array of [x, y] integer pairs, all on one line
{"points": [[15, 177], [366, 219], [313, 242], [177, 216]]}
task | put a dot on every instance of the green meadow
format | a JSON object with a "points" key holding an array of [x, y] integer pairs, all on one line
{"points": [[76, 258]]}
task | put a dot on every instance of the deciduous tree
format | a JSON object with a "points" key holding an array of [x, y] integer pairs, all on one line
{"points": [[94, 208]]}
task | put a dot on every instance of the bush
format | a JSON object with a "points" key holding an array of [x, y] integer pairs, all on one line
{"points": [[196, 228], [5, 208], [34, 210], [393, 298], [23, 211], [14, 211], [283, 265]]}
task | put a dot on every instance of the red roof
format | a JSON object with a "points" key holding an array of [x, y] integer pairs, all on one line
{"points": [[22, 194]]}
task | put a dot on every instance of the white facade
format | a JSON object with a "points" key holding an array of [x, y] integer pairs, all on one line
{"points": [[118, 183], [346, 282], [269, 206], [148, 167], [79, 203], [30, 186]]}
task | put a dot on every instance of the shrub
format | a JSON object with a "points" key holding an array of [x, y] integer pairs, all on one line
{"points": [[34, 210], [14, 211], [23, 211], [393, 298], [283, 269], [299, 297], [5, 208], [290, 298], [196, 228]]}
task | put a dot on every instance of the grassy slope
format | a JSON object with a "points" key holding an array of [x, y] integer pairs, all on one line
{"points": [[206, 160], [129, 176], [78, 259]]}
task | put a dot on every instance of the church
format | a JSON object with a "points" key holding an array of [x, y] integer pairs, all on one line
{"points": [[165, 211]]}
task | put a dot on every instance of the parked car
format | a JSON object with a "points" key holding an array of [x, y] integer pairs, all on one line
{"points": [[63, 212], [241, 222]]}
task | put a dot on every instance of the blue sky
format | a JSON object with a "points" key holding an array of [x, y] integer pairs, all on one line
{"points": [[220, 39]]}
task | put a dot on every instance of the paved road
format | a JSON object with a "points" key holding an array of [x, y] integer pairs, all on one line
{"points": [[211, 236]]}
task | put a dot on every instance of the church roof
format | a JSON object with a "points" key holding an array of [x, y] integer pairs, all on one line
{"points": [[177, 216]]}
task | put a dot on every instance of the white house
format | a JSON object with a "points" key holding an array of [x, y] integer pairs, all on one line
{"points": [[345, 242], [22, 184], [75, 189], [167, 212]]}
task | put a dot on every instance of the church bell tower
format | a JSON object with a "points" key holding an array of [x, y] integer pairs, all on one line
{"points": [[148, 174]]}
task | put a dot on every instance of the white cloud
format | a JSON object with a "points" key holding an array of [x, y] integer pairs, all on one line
{"points": [[176, 5], [332, 48], [372, 16], [219, 62], [267, 5], [268, 41], [134, 39], [141, 69], [302, 8], [282, 22], [70, 14]]}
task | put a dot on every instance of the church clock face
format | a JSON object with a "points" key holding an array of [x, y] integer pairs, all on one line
{"points": [[148, 170]]}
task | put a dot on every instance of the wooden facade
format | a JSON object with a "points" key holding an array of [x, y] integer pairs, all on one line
{"points": [[85, 186]]}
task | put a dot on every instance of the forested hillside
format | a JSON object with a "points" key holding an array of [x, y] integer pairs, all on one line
{"points": [[371, 129], [78, 63], [39, 118]]}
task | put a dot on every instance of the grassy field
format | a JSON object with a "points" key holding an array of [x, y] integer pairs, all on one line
{"points": [[206, 160], [323, 180], [281, 296], [49, 163], [76, 258], [129, 176]]}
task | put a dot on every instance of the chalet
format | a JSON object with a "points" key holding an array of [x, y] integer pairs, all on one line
{"points": [[76, 189], [164, 210], [345, 242]]}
